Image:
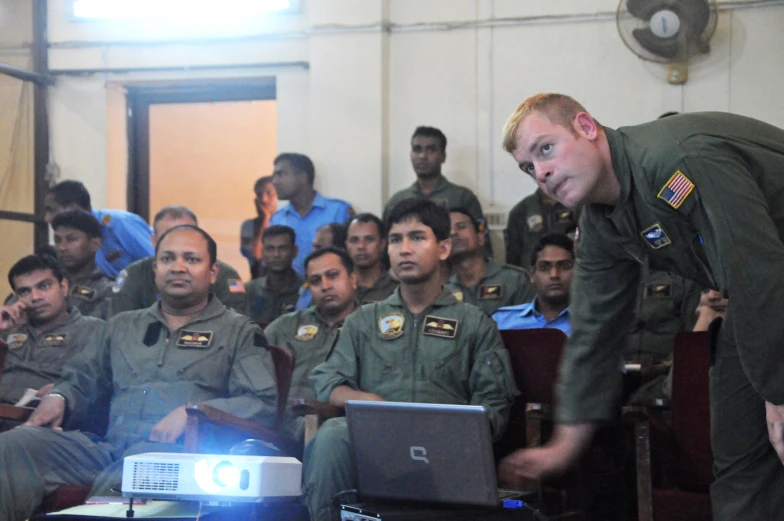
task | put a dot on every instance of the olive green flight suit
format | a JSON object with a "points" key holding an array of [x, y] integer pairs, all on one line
{"points": [[502, 285], [36, 359], [92, 294], [530, 220], [135, 288], [384, 286], [450, 353], [310, 339], [219, 358], [702, 196], [265, 305]]}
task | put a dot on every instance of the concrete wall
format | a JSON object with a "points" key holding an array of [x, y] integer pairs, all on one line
{"points": [[461, 65]]}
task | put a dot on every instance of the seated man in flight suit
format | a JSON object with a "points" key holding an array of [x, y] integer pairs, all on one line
{"points": [[151, 363], [419, 345], [311, 333], [41, 330]]}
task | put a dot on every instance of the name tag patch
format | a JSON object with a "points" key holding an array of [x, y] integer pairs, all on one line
{"points": [[83, 292], [440, 327], [54, 340], [305, 333], [16, 340], [490, 292], [658, 291], [391, 326], [194, 339], [656, 237]]}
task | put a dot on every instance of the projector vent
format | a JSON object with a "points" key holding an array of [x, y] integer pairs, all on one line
{"points": [[149, 475]]}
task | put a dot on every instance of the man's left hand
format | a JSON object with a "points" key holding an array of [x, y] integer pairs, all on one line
{"points": [[171, 427], [774, 414]]}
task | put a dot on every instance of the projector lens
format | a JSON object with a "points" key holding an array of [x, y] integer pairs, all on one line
{"points": [[226, 475]]}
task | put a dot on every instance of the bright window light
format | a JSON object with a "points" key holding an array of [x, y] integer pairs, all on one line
{"points": [[176, 9]]}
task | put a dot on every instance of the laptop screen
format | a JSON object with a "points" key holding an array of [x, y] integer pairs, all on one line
{"points": [[422, 452]]}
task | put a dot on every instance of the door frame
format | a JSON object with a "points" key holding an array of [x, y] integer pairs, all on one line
{"points": [[140, 98]]}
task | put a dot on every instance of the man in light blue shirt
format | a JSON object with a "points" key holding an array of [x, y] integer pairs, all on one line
{"points": [[125, 237], [551, 273], [307, 210]]}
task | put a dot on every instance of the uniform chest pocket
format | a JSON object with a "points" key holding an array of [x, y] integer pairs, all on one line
{"points": [[202, 366]]}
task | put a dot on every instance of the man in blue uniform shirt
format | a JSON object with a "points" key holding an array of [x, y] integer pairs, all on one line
{"points": [[125, 236], [551, 261], [307, 210]]}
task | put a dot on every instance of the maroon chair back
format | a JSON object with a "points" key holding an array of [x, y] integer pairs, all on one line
{"points": [[283, 359], [691, 411]]}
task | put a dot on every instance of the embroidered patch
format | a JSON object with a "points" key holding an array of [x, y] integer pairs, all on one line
{"points": [[655, 237], [54, 340], [83, 292], [236, 286], [441, 327], [305, 333], [458, 295], [119, 281], [564, 216], [658, 291], [490, 292], [195, 339], [535, 223], [16, 340], [391, 326], [676, 190]]}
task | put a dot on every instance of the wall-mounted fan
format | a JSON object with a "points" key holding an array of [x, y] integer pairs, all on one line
{"points": [[667, 31]]}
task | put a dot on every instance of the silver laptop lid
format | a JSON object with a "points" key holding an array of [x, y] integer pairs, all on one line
{"points": [[422, 452]]}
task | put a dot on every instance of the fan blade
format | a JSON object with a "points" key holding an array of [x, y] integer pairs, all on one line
{"points": [[664, 47], [695, 13], [644, 9]]}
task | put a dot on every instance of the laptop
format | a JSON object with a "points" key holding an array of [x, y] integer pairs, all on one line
{"points": [[425, 452]]}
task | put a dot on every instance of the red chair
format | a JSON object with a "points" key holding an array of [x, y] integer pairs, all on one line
{"points": [[684, 491]]}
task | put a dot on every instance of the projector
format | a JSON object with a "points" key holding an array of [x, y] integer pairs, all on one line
{"points": [[211, 478]]}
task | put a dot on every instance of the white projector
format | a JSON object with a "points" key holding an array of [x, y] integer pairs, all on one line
{"points": [[211, 478]]}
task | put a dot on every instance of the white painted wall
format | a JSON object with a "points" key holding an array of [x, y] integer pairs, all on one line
{"points": [[354, 110]]}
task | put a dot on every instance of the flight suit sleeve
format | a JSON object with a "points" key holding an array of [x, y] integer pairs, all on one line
{"points": [[236, 300], [491, 381], [342, 366], [252, 389], [133, 234], [524, 290], [744, 250], [691, 299], [127, 292], [604, 292]]}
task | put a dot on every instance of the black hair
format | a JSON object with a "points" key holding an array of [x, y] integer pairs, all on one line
{"points": [[71, 192], [345, 258], [261, 183], [368, 218], [175, 211], [464, 211], [668, 114], [553, 239], [279, 229], [35, 262], [339, 234], [212, 247], [432, 215], [431, 132], [299, 162], [78, 220]]}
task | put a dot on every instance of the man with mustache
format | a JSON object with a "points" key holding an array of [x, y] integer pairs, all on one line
{"points": [[366, 244], [275, 293], [699, 195], [552, 260]]}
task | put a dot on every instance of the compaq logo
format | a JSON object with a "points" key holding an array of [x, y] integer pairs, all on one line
{"points": [[419, 454]]}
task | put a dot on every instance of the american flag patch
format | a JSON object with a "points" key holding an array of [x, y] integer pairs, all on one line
{"points": [[236, 286], [676, 190]]}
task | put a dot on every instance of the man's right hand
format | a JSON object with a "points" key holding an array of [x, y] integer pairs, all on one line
{"points": [[50, 411], [13, 315]]}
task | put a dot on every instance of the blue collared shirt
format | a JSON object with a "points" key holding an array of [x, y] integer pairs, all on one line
{"points": [[125, 238], [323, 211], [525, 316]]}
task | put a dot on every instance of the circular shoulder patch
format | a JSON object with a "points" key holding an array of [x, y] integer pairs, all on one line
{"points": [[119, 281], [391, 325], [535, 223], [458, 294], [305, 333]]}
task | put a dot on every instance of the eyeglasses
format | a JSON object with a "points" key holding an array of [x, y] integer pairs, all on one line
{"points": [[561, 265]]}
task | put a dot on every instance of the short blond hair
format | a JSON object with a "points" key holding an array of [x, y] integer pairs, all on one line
{"points": [[558, 108]]}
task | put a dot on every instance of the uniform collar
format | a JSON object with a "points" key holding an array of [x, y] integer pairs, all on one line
{"points": [[73, 316], [446, 298], [620, 163], [214, 308], [93, 276], [319, 201], [296, 284], [443, 185], [529, 309], [493, 268]]}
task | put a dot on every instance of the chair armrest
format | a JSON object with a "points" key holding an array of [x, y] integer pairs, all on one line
{"points": [[12, 412], [323, 410], [200, 413]]}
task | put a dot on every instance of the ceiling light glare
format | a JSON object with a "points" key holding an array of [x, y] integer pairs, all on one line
{"points": [[175, 9]]}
